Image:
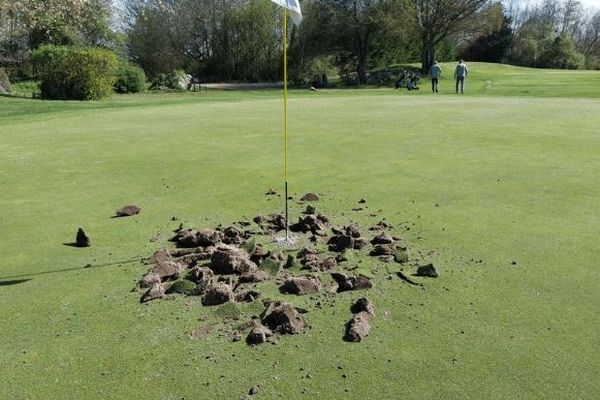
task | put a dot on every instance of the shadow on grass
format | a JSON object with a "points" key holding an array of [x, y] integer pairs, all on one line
{"points": [[13, 282], [87, 266], [73, 244]]}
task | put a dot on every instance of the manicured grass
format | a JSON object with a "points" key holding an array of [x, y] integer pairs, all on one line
{"points": [[497, 179]]}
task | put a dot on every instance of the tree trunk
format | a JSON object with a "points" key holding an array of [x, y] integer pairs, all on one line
{"points": [[361, 67], [427, 56]]}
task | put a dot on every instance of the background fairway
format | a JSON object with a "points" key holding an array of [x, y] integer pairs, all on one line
{"points": [[495, 179]]}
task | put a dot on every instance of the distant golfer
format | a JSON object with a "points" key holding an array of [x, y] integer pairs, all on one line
{"points": [[460, 74], [434, 74]]}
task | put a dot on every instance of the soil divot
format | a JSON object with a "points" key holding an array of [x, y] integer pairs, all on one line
{"points": [[128, 211], [309, 197]]}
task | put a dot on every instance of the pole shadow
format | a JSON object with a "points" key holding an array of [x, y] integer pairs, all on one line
{"points": [[13, 282]]}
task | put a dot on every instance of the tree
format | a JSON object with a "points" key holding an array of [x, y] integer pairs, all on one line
{"points": [[353, 31], [438, 19], [495, 44]]}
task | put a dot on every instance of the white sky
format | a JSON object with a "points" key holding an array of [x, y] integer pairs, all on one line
{"points": [[591, 3]]}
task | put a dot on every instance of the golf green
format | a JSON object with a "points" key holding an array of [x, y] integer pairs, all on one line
{"points": [[510, 181]]}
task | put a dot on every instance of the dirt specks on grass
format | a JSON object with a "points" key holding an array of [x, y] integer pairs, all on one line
{"points": [[201, 331]]}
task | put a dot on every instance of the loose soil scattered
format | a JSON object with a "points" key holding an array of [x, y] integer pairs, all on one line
{"points": [[227, 266]]}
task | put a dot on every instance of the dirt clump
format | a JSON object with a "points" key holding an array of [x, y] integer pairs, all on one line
{"points": [[428, 271], [383, 250], [310, 223], [309, 197], [271, 223], [351, 282], [258, 334], [328, 263], [157, 291], [169, 269], [283, 318], [128, 211], [82, 239], [231, 260], [381, 225], [149, 280], [218, 294], [254, 277], [188, 238], [382, 238], [301, 285], [359, 326]]}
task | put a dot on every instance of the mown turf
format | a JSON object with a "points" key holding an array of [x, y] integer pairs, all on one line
{"points": [[495, 179]]}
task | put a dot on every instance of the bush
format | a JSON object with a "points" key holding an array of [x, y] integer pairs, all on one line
{"points": [[75, 73], [174, 80], [130, 79], [4, 82]]}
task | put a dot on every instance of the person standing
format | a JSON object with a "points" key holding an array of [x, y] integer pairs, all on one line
{"points": [[434, 74], [460, 74]]}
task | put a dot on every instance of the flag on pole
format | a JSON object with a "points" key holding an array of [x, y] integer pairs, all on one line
{"points": [[293, 7]]}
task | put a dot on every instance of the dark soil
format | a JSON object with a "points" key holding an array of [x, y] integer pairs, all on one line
{"points": [[128, 211]]}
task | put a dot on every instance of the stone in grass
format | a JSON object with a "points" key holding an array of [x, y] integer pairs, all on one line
{"points": [[182, 286], [401, 256], [82, 239], [428, 271], [128, 211]]}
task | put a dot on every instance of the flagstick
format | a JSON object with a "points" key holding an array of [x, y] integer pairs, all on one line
{"points": [[285, 123]]}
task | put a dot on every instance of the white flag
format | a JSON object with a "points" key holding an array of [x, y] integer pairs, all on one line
{"points": [[293, 7]]}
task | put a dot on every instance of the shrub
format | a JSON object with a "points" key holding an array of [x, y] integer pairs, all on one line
{"points": [[75, 73], [4, 82], [130, 79], [174, 80]]}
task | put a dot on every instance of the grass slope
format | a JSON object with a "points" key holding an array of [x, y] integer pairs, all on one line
{"points": [[513, 178]]}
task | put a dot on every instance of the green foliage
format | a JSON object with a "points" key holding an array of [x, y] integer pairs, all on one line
{"points": [[493, 46], [182, 286], [75, 73], [4, 82], [130, 79], [561, 53], [169, 81]]}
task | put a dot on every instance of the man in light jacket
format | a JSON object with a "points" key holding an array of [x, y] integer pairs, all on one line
{"points": [[434, 74], [460, 74]]}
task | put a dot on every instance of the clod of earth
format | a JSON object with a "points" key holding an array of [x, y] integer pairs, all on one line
{"points": [[272, 223], [309, 197], [188, 238], [383, 250], [254, 390], [271, 192], [218, 294], [363, 304], [149, 280], [427, 271], [358, 327], [169, 269], [283, 318], [351, 282], [231, 260], [157, 291], [259, 334], [128, 211], [248, 296], [381, 225], [301, 285], [82, 239], [254, 277], [310, 223], [382, 238]]}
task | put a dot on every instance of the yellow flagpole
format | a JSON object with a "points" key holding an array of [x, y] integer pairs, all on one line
{"points": [[285, 121]]}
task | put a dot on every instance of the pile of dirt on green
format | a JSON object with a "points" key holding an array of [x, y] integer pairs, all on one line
{"points": [[233, 264]]}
